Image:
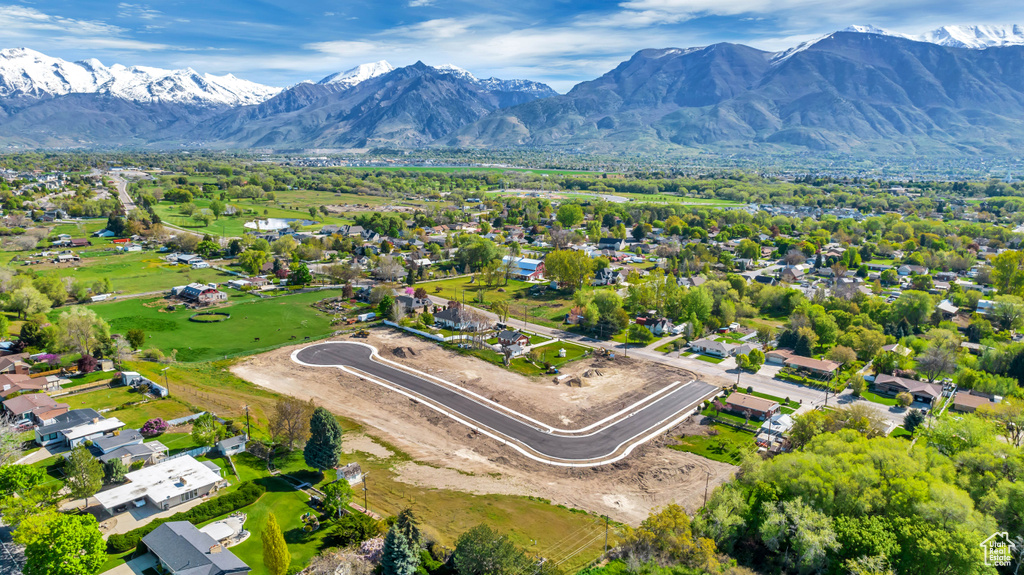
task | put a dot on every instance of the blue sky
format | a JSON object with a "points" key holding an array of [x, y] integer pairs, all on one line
{"points": [[560, 42]]}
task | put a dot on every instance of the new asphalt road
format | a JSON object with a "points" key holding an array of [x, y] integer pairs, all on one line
{"points": [[605, 443]]}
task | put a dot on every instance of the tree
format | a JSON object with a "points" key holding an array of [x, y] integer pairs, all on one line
{"points": [[937, 360], [216, 208], [1008, 312], [765, 334], [84, 473], [290, 421], [337, 494], [202, 218], [80, 329], [500, 308], [300, 275], [794, 524], [858, 385], [276, 557], [914, 306], [252, 261], [756, 358], [204, 430], [904, 399], [1008, 271], [73, 546], [19, 478], [569, 215], [912, 420], [384, 306], [407, 523], [114, 471], [481, 551], [570, 268], [1010, 415], [842, 355], [28, 301], [667, 537], [207, 248], [398, 558], [135, 337], [324, 446]]}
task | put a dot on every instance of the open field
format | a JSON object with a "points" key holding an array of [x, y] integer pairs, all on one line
{"points": [[485, 466], [255, 324], [235, 225], [131, 273], [547, 309], [726, 445]]}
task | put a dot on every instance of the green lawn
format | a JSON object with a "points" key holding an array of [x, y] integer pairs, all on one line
{"points": [[728, 446], [900, 432], [782, 401], [549, 354], [666, 347], [273, 321], [132, 273], [709, 359], [548, 308], [235, 225], [874, 397]]}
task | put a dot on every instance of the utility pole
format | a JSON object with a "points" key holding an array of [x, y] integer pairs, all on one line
{"points": [[167, 386], [707, 481], [247, 429], [365, 508], [606, 535]]}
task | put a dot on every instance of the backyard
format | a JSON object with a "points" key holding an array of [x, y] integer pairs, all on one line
{"points": [[726, 444], [130, 273]]}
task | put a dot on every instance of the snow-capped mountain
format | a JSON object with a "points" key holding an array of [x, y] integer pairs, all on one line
{"points": [[360, 73], [973, 37], [25, 72]]}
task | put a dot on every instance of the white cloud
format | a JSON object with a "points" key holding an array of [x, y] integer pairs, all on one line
{"points": [[24, 24], [420, 3]]}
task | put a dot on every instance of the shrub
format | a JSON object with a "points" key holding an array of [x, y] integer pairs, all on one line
{"points": [[352, 529], [904, 399], [246, 495], [153, 427]]}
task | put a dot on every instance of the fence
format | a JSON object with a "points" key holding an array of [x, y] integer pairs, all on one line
{"points": [[196, 452], [186, 419], [416, 331]]}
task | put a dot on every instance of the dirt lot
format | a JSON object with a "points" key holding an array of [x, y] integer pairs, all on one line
{"points": [[652, 476], [608, 385]]}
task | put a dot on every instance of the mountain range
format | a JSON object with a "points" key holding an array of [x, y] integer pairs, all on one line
{"points": [[957, 90]]}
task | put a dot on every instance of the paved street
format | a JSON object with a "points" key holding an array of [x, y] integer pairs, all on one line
{"points": [[550, 445]]}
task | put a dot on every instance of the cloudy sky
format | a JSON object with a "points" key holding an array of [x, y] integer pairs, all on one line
{"points": [[560, 42]]}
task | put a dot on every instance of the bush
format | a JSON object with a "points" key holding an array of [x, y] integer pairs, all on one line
{"points": [[904, 399], [153, 427], [246, 495], [352, 529]]}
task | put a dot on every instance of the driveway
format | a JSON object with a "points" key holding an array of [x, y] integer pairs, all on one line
{"points": [[613, 438]]}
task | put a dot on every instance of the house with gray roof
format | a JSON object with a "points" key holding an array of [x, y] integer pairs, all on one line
{"points": [[74, 427], [182, 549], [149, 453], [117, 440]]}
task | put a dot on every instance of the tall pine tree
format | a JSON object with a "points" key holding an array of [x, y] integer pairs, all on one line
{"points": [[276, 556], [407, 523], [324, 446], [398, 558]]}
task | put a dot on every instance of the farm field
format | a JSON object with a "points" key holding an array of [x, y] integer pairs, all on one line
{"points": [[254, 324]]}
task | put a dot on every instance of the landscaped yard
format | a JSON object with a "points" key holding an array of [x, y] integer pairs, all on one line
{"points": [[728, 446], [549, 354], [254, 324], [708, 358], [876, 398]]}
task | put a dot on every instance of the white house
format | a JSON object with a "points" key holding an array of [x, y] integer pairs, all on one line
{"points": [[161, 486]]}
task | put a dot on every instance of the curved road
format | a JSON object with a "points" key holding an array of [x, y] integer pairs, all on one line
{"points": [[609, 443]]}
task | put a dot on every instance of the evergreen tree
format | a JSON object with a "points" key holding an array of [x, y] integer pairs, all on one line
{"points": [[398, 558], [913, 419], [276, 556], [410, 527], [803, 346], [324, 445]]}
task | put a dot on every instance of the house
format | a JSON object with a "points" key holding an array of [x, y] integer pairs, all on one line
{"points": [[199, 293], [819, 367], [80, 243], [793, 274], [985, 306], [200, 265], [116, 440], [770, 435], [162, 486], [657, 326], [17, 383], [238, 284], [965, 402], [711, 347], [181, 548], [778, 356], [14, 363], [897, 348], [25, 408], [457, 318], [351, 472], [524, 269], [614, 244], [75, 427], [766, 280], [149, 453], [921, 391], [906, 270], [508, 338], [413, 304], [748, 405], [129, 248], [606, 276], [695, 281], [187, 259], [231, 446]]}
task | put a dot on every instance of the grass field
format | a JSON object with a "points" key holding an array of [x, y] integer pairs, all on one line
{"points": [[549, 354], [547, 309], [875, 398], [728, 446], [708, 358], [255, 324], [133, 416], [235, 225], [131, 273]]}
